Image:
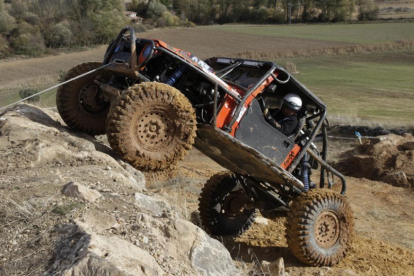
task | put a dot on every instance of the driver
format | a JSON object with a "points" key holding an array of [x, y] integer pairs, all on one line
{"points": [[285, 119]]}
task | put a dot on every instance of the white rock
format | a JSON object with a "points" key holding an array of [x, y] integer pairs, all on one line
{"points": [[77, 190], [261, 220], [151, 204], [92, 254], [207, 255], [276, 268], [96, 221]]}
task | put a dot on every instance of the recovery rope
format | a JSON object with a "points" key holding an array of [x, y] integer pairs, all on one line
{"points": [[55, 86]]}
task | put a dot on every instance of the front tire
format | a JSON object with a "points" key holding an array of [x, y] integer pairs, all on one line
{"points": [[221, 206], [79, 102], [151, 126], [320, 227]]}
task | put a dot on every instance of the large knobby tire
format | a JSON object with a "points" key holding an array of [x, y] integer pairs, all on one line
{"points": [[80, 103], [320, 227], [151, 126], [221, 206]]}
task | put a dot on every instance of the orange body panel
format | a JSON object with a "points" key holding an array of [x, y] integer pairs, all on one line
{"points": [[224, 116], [291, 156]]}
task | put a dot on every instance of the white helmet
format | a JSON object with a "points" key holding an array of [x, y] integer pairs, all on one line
{"points": [[292, 101]]}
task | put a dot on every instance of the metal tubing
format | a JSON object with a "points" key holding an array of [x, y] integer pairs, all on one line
{"points": [[228, 68], [268, 192], [324, 155], [329, 168], [308, 143], [241, 104], [234, 96], [276, 198], [118, 39], [279, 81], [215, 105]]}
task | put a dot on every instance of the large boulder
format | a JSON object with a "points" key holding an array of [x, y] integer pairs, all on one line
{"points": [[85, 253], [89, 212]]}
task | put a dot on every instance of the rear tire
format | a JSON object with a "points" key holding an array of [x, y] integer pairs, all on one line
{"points": [[79, 102], [151, 126], [219, 209], [320, 227]]}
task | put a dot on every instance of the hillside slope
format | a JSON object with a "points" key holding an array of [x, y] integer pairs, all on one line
{"points": [[69, 206]]}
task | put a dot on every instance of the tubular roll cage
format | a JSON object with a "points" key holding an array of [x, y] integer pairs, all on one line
{"points": [[242, 100]]}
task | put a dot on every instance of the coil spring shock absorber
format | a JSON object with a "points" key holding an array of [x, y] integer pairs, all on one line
{"points": [[176, 75], [305, 171]]}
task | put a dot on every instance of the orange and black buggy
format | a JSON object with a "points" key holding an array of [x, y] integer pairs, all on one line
{"points": [[155, 101]]}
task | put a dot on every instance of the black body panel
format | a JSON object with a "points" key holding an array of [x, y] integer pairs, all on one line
{"points": [[240, 158], [255, 132]]}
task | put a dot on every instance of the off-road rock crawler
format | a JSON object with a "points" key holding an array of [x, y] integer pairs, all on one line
{"points": [[155, 101]]}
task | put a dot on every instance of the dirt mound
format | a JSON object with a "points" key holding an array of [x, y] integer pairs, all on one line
{"points": [[388, 159], [349, 131]]}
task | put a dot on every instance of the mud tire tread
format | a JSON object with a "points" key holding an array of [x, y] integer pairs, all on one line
{"points": [[212, 194], [121, 116], [67, 101], [300, 233]]}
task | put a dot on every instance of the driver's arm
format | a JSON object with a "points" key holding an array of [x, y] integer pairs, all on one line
{"points": [[287, 126], [271, 120]]}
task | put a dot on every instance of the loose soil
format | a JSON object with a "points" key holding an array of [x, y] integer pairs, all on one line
{"points": [[384, 222]]}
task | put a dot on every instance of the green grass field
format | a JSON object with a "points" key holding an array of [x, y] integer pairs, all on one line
{"points": [[375, 87], [47, 99], [372, 33], [360, 88], [372, 87]]}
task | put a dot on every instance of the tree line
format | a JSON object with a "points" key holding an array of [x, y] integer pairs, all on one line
{"points": [[273, 11], [34, 27]]}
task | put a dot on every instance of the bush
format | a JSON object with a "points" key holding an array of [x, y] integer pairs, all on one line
{"points": [[27, 44], [149, 26], [367, 10], [7, 23], [156, 9], [161, 22], [59, 36], [18, 8], [168, 20], [4, 47], [140, 28], [62, 74], [189, 24], [107, 25], [25, 28], [291, 68], [31, 18], [24, 93]]}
